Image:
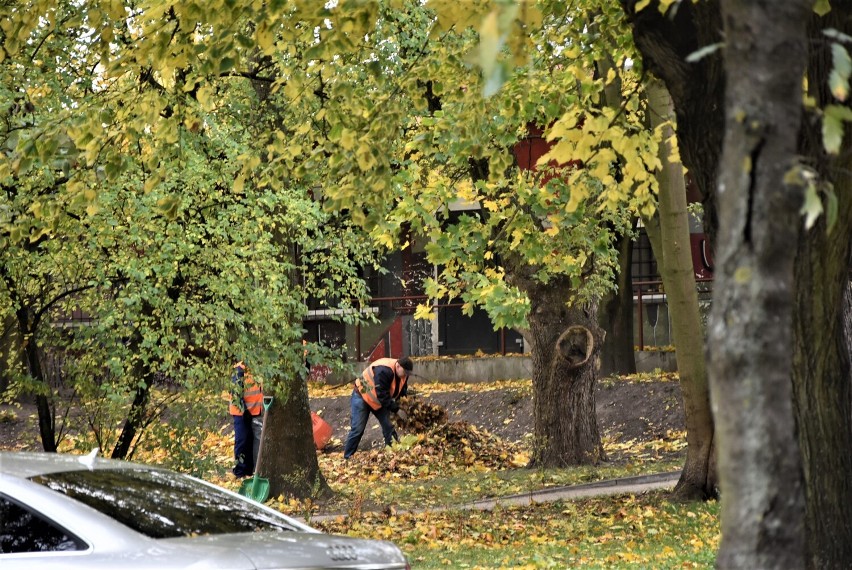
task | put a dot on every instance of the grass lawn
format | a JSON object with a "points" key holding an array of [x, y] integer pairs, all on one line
{"points": [[646, 531], [378, 490]]}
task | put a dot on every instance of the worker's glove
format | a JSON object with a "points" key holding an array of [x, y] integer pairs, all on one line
{"points": [[394, 406]]}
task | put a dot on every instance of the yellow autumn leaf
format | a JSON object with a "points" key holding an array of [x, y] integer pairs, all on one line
{"points": [[239, 184], [424, 312], [293, 88], [561, 153], [491, 205], [490, 43], [304, 128], [347, 139], [265, 38], [465, 191], [520, 459], [365, 157], [152, 182]]}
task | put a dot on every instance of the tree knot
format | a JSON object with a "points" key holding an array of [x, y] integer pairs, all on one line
{"points": [[575, 346]]}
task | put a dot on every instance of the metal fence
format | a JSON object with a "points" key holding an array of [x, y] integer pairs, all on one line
{"points": [[651, 302]]}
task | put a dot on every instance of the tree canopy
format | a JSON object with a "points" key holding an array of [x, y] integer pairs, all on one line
{"points": [[138, 190]]}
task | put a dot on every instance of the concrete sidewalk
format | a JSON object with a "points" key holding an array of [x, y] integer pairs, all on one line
{"points": [[625, 485]]}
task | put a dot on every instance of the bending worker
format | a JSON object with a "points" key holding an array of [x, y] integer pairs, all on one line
{"points": [[377, 391]]}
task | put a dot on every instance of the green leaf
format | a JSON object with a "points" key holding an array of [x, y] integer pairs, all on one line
{"points": [[838, 80], [226, 64], [168, 206], [700, 54], [837, 35], [489, 42], [822, 7], [831, 210], [812, 207], [832, 127]]}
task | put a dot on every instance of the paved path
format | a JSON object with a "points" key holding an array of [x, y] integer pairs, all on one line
{"points": [[625, 485]]}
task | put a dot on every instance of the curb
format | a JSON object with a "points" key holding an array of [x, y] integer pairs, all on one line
{"points": [[624, 485]]}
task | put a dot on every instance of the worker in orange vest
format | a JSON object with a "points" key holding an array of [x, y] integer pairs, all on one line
{"points": [[377, 392], [246, 407]]}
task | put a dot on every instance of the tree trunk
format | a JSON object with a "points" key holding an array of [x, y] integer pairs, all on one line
{"points": [[822, 388], [27, 328], [565, 342], [697, 88], [136, 414], [821, 371], [664, 45], [751, 331], [46, 423], [616, 318], [698, 480], [617, 355], [288, 456], [9, 342]]}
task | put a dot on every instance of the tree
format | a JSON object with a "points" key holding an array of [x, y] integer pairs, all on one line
{"points": [[618, 354], [541, 242], [666, 36], [751, 320], [821, 346], [190, 232], [533, 243], [819, 385], [668, 230]]}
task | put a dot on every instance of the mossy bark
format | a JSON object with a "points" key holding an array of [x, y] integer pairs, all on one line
{"points": [[288, 455], [672, 249]]}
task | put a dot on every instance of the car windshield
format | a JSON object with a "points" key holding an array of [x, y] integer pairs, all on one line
{"points": [[162, 504]]}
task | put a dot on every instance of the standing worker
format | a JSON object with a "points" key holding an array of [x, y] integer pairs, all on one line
{"points": [[377, 391], [246, 406]]}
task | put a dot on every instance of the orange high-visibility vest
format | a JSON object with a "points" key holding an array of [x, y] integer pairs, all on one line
{"points": [[252, 395], [366, 386]]}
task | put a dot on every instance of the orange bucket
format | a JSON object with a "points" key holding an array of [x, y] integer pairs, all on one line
{"points": [[322, 431]]}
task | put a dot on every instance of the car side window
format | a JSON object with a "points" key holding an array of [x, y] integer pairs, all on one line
{"points": [[22, 530]]}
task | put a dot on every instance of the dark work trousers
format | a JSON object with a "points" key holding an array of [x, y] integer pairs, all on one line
{"points": [[359, 414], [243, 446]]}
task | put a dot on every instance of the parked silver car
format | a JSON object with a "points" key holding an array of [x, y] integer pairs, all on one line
{"points": [[71, 511]]}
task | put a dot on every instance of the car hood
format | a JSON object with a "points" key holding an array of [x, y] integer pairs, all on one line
{"points": [[302, 550]]}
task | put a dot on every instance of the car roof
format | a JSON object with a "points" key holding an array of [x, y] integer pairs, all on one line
{"points": [[28, 464]]}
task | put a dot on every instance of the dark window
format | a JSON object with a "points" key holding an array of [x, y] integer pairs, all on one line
{"points": [[162, 504], [462, 334], [644, 264], [25, 531]]}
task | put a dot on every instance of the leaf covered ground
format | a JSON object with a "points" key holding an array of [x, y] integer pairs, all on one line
{"points": [[464, 442]]}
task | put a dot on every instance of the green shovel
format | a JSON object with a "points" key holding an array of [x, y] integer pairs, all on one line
{"points": [[257, 488]]}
